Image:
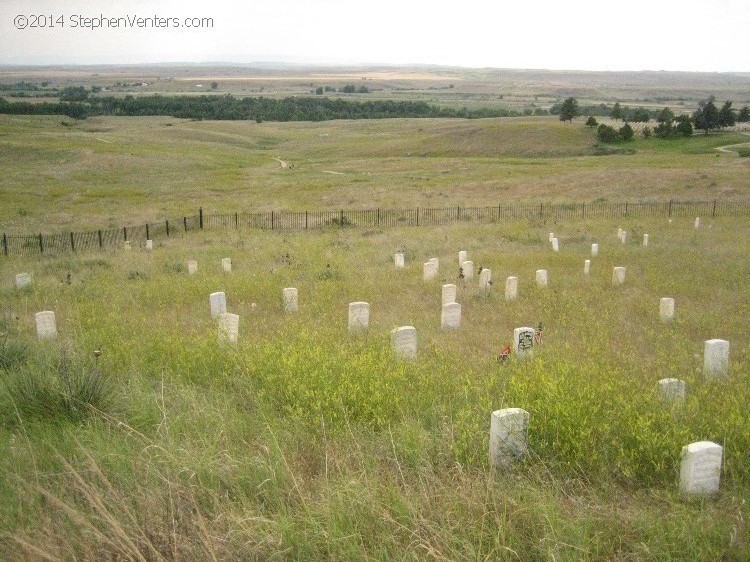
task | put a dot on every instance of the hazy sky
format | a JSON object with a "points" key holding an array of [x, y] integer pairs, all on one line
{"points": [[701, 35]]}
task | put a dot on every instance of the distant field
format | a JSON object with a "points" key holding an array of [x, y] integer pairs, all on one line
{"points": [[61, 174]]}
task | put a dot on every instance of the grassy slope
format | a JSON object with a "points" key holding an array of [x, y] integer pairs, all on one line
{"points": [[115, 171], [306, 443]]}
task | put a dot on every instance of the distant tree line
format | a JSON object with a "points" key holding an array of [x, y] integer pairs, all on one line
{"points": [[707, 117], [259, 109]]}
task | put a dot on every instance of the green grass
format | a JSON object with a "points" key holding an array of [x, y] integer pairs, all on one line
{"points": [[305, 442], [111, 172]]}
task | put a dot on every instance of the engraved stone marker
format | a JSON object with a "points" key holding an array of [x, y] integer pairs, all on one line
{"points": [[624, 237], [448, 294], [399, 260], [666, 308], [229, 325], [645, 240], [290, 299], [672, 390], [23, 280], [587, 267], [436, 262], [46, 326], [450, 317], [697, 222], [551, 236], [404, 342], [618, 276], [462, 257], [511, 288], [226, 264], [485, 280], [127, 245], [508, 431], [192, 267], [359, 316], [523, 341], [218, 304], [619, 233], [541, 278], [429, 271], [716, 358], [149, 245], [555, 245], [700, 470], [468, 267], [594, 250]]}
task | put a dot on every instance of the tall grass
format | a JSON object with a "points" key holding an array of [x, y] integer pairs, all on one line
{"points": [[306, 442]]}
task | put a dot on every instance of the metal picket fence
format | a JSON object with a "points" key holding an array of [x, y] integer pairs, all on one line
{"points": [[54, 244]]}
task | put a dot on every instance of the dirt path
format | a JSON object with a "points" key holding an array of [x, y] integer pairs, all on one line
{"points": [[728, 147]]}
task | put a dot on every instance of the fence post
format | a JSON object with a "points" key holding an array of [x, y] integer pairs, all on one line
{"points": [[236, 220], [713, 212], [626, 208], [341, 220], [458, 213], [305, 220], [670, 208], [41, 244], [200, 217], [148, 237], [417, 216], [378, 216], [541, 210], [184, 223], [583, 211], [166, 224], [101, 245], [125, 233], [271, 220], [72, 243], [5, 244]]}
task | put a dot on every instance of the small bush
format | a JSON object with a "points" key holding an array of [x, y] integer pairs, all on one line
{"points": [[58, 386]]}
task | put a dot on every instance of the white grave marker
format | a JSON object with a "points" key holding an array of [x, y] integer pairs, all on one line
{"points": [[587, 267], [618, 276], [149, 245], [672, 390], [398, 260], [697, 222], [450, 317], [511, 288], [485, 280], [436, 262], [551, 236], [23, 280], [508, 436], [468, 267], [555, 245], [619, 233], [666, 308], [700, 469], [523, 341], [226, 264], [127, 245], [645, 240], [46, 326], [448, 294], [218, 304], [404, 342], [541, 278], [716, 358], [624, 237], [359, 316], [462, 257], [429, 270], [229, 325], [192, 267], [594, 250], [290, 299]]}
